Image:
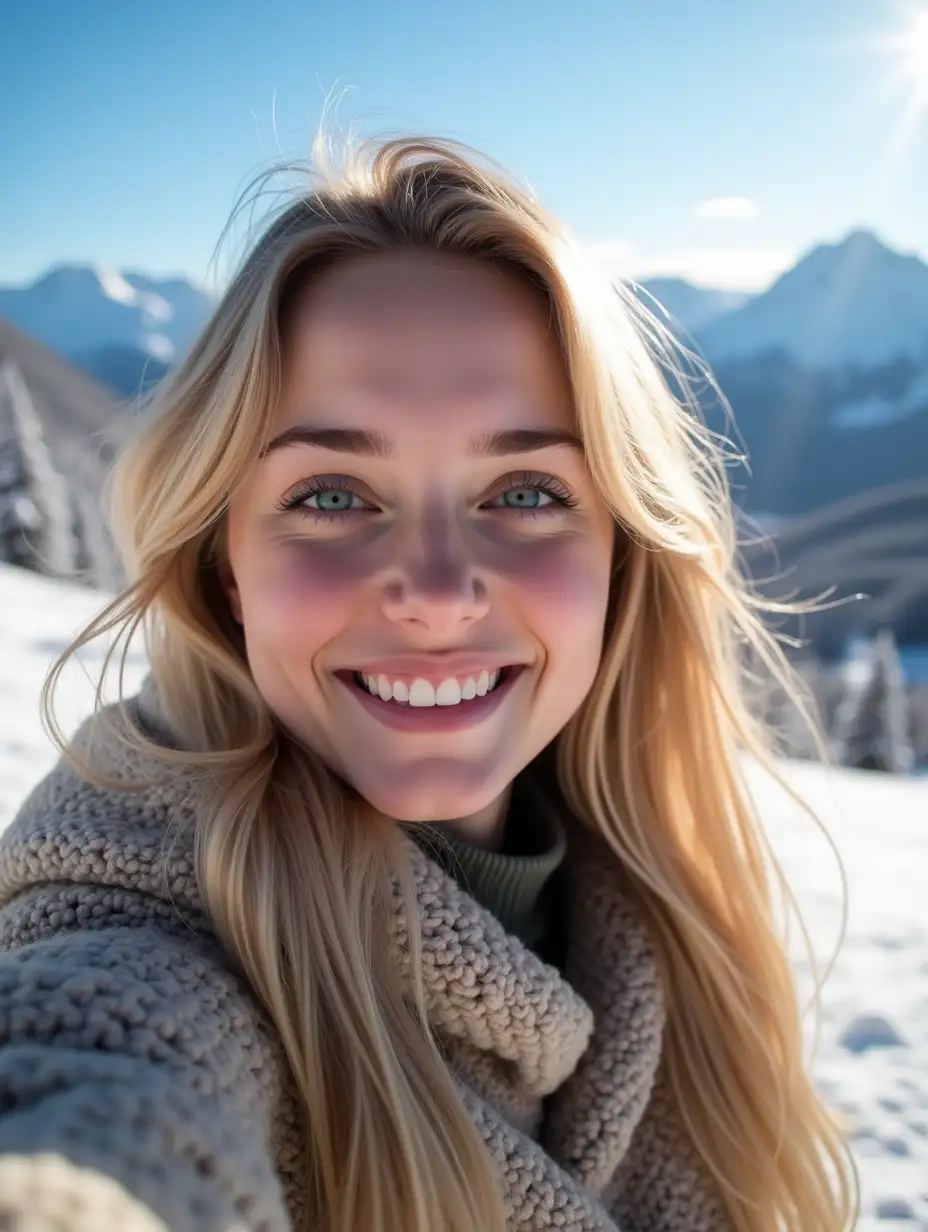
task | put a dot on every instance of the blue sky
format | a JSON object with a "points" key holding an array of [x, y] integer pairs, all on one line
{"points": [[128, 128]]}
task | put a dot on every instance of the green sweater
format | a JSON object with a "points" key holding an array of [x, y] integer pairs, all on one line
{"points": [[519, 883]]}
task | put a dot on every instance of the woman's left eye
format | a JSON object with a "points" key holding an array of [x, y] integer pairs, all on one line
{"points": [[526, 498], [533, 495]]}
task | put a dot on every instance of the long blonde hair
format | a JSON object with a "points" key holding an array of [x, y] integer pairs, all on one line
{"points": [[299, 890]]}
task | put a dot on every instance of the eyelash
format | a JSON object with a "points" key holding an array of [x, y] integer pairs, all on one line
{"points": [[560, 495]]}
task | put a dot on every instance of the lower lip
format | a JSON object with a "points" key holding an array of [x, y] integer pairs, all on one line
{"points": [[433, 718]]}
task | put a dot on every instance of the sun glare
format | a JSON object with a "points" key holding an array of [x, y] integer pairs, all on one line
{"points": [[913, 44], [907, 47], [906, 50]]}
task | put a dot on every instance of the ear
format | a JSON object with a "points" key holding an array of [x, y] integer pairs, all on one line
{"points": [[230, 589]]}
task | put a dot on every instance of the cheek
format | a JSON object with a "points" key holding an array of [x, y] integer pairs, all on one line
{"points": [[562, 587], [561, 590], [303, 594]]}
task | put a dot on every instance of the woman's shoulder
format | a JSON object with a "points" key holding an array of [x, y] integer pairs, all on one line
{"points": [[136, 834]]}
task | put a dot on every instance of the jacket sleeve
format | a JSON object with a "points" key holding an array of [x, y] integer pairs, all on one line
{"points": [[137, 1077]]}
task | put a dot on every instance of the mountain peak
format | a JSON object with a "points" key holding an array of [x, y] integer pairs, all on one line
{"points": [[862, 238], [78, 309], [73, 279], [862, 245], [856, 303]]}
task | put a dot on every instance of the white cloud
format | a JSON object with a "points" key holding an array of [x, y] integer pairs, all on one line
{"points": [[730, 269], [727, 209]]}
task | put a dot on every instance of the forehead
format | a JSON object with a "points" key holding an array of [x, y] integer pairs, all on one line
{"points": [[403, 329]]}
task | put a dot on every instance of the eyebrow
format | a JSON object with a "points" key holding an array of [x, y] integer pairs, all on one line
{"points": [[364, 443]]}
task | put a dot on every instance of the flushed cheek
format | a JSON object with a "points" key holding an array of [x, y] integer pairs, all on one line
{"points": [[562, 586], [561, 595], [308, 591]]}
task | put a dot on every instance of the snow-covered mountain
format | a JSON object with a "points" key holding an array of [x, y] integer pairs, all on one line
{"points": [[91, 315], [827, 375], [871, 1063], [853, 305]]}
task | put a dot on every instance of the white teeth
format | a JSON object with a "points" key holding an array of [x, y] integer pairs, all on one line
{"points": [[421, 693], [448, 693]]}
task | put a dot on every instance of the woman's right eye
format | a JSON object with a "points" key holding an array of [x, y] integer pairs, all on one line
{"points": [[335, 500], [326, 499]]}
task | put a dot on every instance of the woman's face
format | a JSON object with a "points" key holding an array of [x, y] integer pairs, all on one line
{"points": [[422, 519]]}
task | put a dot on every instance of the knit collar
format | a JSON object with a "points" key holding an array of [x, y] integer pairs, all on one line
{"points": [[587, 1041], [559, 1033]]}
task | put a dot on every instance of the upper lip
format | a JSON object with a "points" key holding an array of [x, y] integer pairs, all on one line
{"points": [[435, 667]]}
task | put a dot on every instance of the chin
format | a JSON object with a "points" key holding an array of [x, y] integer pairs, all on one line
{"points": [[431, 794], [440, 807]]}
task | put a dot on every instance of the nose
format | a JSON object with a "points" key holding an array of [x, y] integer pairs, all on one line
{"points": [[436, 587]]}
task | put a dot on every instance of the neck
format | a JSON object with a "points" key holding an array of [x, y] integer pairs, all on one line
{"points": [[484, 829]]}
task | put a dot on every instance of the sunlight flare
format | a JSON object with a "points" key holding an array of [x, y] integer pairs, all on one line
{"points": [[908, 47]]}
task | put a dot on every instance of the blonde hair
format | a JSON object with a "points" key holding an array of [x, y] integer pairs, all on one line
{"points": [[651, 761]]}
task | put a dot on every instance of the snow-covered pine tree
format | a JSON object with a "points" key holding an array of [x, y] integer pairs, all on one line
{"points": [[873, 728], [36, 515], [19, 517]]}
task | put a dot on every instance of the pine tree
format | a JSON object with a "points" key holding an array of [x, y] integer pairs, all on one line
{"points": [[873, 728], [36, 515], [19, 517]]}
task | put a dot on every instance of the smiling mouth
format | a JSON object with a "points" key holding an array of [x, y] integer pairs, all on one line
{"points": [[422, 695]]}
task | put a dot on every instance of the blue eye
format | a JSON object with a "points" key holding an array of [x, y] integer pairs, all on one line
{"points": [[528, 498], [325, 499], [338, 500], [534, 494]]}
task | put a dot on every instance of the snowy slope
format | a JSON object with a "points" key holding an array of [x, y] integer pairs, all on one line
{"points": [[76, 309], [38, 618], [872, 1063], [856, 304]]}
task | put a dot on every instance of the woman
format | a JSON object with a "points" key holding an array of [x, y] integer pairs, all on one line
{"points": [[418, 888]]}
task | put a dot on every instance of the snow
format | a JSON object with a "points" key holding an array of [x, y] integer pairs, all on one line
{"points": [[871, 1063], [38, 618], [75, 309], [154, 307], [158, 346], [872, 1059], [876, 410], [856, 304]]}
